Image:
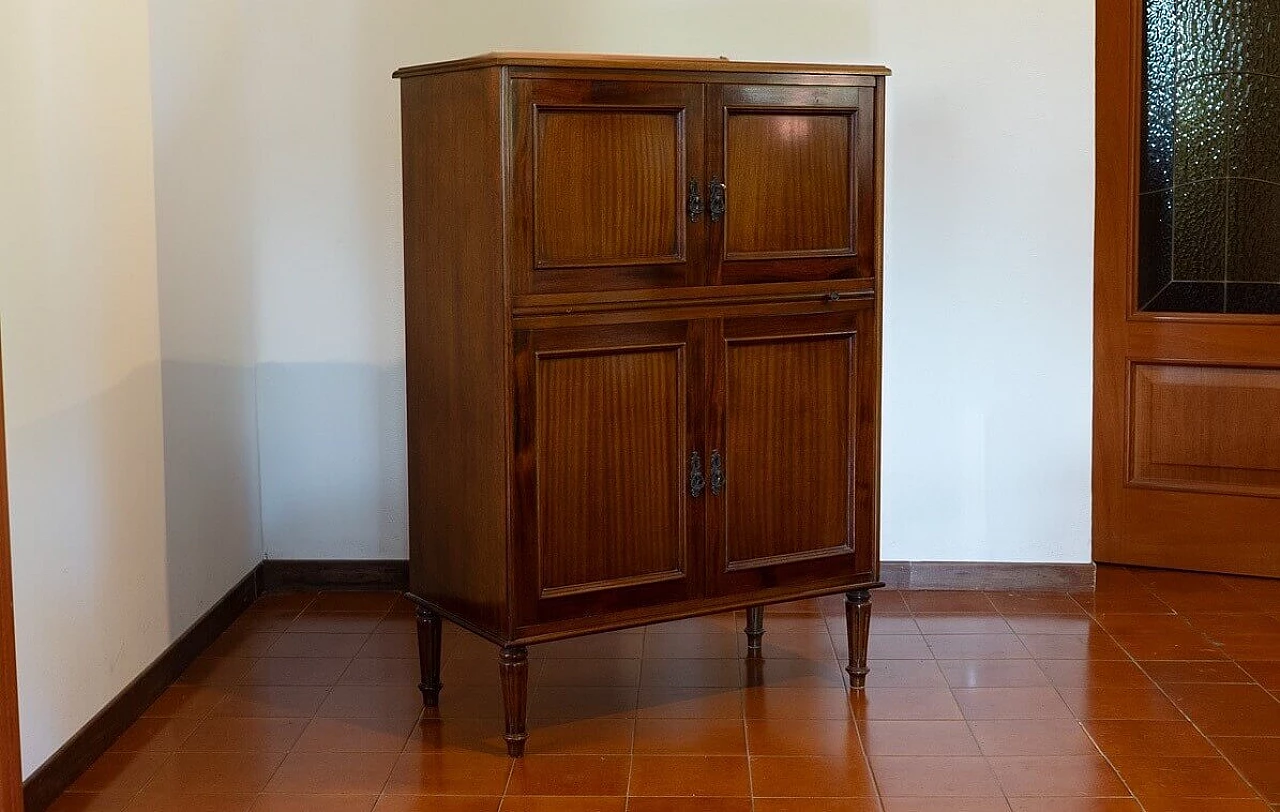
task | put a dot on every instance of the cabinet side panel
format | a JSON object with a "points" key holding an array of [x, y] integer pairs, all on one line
{"points": [[456, 348]]}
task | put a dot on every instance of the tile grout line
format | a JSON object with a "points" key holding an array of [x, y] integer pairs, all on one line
{"points": [[171, 755], [951, 691], [1258, 795], [328, 692], [1083, 727]]}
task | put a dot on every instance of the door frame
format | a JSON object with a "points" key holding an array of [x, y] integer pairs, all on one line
{"points": [[1115, 232], [10, 741], [1121, 518]]}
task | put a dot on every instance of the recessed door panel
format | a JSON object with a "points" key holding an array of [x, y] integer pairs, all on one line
{"points": [[794, 170], [792, 177], [603, 434], [603, 170], [1208, 428], [795, 409], [607, 183]]}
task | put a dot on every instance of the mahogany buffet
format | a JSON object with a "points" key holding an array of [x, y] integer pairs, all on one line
{"points": [[643, 306]]}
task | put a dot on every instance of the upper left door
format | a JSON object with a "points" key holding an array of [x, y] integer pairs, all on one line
{"points": [[605, 184]]}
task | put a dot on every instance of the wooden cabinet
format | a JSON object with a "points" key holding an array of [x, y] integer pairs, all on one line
{"points": [[643, 345]]}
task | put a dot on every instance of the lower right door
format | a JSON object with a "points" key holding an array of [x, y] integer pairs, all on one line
{"points": [[793, 437]]}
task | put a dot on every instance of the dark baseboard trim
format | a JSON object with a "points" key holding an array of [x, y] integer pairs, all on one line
{"points": [[283, 575], [73, 758], [989, 576]]}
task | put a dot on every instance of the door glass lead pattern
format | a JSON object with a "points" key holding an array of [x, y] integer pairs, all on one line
{"points": [[1209, 197]]}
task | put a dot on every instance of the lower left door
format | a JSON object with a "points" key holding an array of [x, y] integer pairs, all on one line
{"points": [[607, 422]]}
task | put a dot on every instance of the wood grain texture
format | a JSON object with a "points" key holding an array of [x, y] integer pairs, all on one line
{"points": [[607, 188], [791, 415], [599, 177], [632, 300], [513, 670], [606, 418], [1146, 512], [800, 169], [857, 619], [790, 427], [791, 181], [610, 431], [10, 741], [456, 342], [598, 62], [1206, 428]]}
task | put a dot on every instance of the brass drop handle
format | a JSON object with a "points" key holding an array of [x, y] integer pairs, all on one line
{"points": [[717, 473], [696, 480], [693, 201], [717, 205]]}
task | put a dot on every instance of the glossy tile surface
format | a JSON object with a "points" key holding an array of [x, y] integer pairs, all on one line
{"points": [[1154, 692]]}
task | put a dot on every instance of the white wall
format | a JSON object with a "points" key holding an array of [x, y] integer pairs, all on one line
{"points": [[205, 253], [988, 378], [100, 587], [328, 273]]}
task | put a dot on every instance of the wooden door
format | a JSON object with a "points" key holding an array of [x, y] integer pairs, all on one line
{"points": [[10, 743], [791, 439], [607, 419], [1187, 307], [600, 185], [794, 167]]}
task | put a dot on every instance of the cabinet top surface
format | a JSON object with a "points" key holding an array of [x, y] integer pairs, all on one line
{"points": [[644, 63]]}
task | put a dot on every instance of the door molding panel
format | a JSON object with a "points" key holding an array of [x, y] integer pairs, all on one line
{"points": [[602, 169], [1205, 427], [607, 526], [795, 397], [801, 162]]}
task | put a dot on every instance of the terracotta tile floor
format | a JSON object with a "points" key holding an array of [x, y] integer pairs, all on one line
{"points": [[1158, 691]]}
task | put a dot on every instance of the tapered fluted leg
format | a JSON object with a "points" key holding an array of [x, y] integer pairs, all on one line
{"points": [[754, 630], [857, 614], [429, 639], [513, 664]]}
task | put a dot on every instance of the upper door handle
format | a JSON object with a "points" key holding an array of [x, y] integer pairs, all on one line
{"points": [[717, 205], [696, 479], [693, 202], [717, 473]]}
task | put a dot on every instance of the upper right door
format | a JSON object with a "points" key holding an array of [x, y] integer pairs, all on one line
{"points": [[1187, 307], [792, 186]]}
